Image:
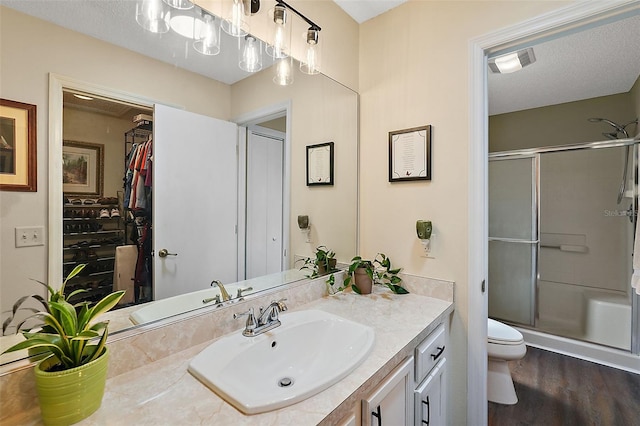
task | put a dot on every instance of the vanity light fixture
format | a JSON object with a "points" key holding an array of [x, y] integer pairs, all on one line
{"points": [[251, 54], [513, 61], [152, 15], [281, 33], [236, 22], [208, 39], [311, 62], [283, 71]]}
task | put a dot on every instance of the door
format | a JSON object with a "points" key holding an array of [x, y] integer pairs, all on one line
{"points": [[265, 161], [513, 238], [391, 403], [194, 219]]}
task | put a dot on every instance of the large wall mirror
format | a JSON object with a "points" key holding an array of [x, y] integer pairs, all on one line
{"points": [[238, 196]]}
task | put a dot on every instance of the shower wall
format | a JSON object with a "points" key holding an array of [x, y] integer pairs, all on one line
{"points": [[585, 240]]}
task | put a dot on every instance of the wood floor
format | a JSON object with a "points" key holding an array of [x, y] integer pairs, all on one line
{"points": [[555, 389]]}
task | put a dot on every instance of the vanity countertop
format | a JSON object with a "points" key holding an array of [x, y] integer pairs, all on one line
{"points": [[163, 392]]}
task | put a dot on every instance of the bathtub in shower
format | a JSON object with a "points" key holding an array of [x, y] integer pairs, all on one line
{"points": [[589, 314]]}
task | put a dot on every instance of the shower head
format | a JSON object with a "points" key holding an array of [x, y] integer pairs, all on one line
{"points": [[619, 128]]}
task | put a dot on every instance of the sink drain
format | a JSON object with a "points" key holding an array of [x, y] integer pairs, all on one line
{"points": [[285, 382]]}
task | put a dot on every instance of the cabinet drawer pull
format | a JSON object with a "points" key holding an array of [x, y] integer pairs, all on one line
{"points": [[426, 422], [378, 415], [440, 351]]}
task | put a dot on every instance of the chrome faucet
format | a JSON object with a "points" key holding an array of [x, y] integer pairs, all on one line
{"points": [[268, 319], [223, 291], [242, 290]]}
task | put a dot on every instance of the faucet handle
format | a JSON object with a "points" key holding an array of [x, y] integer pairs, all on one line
{"points": [[242, 290], [251, 324], [281, 304]]}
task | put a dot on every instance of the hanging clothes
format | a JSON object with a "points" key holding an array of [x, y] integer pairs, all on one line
{"points": [[137, 178]]}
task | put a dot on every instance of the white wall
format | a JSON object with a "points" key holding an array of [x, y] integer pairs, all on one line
{"points": [[414, 70], [30, 49]]}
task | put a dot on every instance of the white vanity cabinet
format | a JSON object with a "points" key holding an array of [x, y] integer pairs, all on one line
{"points": [[430, 400], [391, 403]]}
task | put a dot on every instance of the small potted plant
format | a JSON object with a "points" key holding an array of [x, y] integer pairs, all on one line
{"points": [[323, 262], [363, 274], [70, 382]]}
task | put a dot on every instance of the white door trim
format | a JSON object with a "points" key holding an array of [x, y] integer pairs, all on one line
{"points": [[57, 83], [248, 119], [564, 19]]}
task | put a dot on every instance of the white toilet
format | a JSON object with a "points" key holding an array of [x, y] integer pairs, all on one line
{"points": [[504, 344]]}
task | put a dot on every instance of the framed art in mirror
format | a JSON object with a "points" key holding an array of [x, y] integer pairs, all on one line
{"points": [[410, 154], [18, 161], [82, 169], [320, 164]]}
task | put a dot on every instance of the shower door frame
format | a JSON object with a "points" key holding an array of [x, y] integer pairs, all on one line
{"points": [[529, 152], [535, 223]]}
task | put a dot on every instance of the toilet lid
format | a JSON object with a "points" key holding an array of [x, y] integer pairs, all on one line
{"points": [[502, 333]]}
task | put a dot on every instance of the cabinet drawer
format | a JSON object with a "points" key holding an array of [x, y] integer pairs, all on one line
{"points": [[429, 352], [430, 406]]}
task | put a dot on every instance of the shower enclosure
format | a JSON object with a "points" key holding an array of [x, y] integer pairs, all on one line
{"points": [[560, 244]]}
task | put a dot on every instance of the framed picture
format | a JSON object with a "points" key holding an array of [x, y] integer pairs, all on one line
{"points": [[82, 169], [410, 154], [320, 164], [18, 139]]}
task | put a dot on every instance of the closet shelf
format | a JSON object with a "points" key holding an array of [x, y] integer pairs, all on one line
{"points": [[104, 231]]}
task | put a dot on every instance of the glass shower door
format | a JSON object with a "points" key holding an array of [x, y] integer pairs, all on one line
{"points": [[513, 238]]}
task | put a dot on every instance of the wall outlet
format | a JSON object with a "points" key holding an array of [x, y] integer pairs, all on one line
{"points": [[428, 251], [28, 236]]}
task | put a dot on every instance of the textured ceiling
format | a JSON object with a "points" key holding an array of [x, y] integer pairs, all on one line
{"points": [[363, 10]]}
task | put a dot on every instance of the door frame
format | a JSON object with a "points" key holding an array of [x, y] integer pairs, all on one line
{"points": [[57, 84], [277, 110], [569, 18]]}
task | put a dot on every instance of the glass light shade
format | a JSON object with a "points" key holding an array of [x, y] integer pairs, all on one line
{"points": [[208, 39], [251, 54], [310, 64], [283, 71], [281, 33], [179, 4], [186, 24], [152, 15], [235, 19]]}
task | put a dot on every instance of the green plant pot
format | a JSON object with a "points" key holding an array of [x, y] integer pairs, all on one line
{"points": [[68, 396], [363, 281]]}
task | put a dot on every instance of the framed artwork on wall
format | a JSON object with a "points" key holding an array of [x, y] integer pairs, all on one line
{"points": [[82, 169], [410, 154], [320, 164], [18, 139]]}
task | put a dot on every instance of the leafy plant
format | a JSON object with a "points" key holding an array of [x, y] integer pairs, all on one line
{"points": [[324, 261], [379, 270], [68, 329]]}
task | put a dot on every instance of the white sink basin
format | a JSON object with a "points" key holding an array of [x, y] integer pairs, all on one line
{"points": [[311, 350]]}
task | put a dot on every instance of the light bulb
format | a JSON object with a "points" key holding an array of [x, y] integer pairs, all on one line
{"points": [[236, 25], [284, 72], [280, 47], [251, 54], [208, 40], [311, 62]]}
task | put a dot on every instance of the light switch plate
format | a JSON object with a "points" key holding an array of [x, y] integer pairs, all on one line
{"points": [[29, 236]]}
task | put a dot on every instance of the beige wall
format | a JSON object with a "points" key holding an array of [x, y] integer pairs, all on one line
{"points": [[322, 111], [30, 49], [338, 37], [84, 126], [558, 124], [414, 70]]}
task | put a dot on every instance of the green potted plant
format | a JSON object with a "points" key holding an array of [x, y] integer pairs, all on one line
{"points": [[71, 380], [363, 274], [323, 262]]}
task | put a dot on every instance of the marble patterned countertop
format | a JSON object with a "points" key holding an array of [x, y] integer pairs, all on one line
{"points": [[164, 392]]}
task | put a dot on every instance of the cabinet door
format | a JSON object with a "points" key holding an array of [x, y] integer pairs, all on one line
{"points": [[391, 402], [430, 404]]}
